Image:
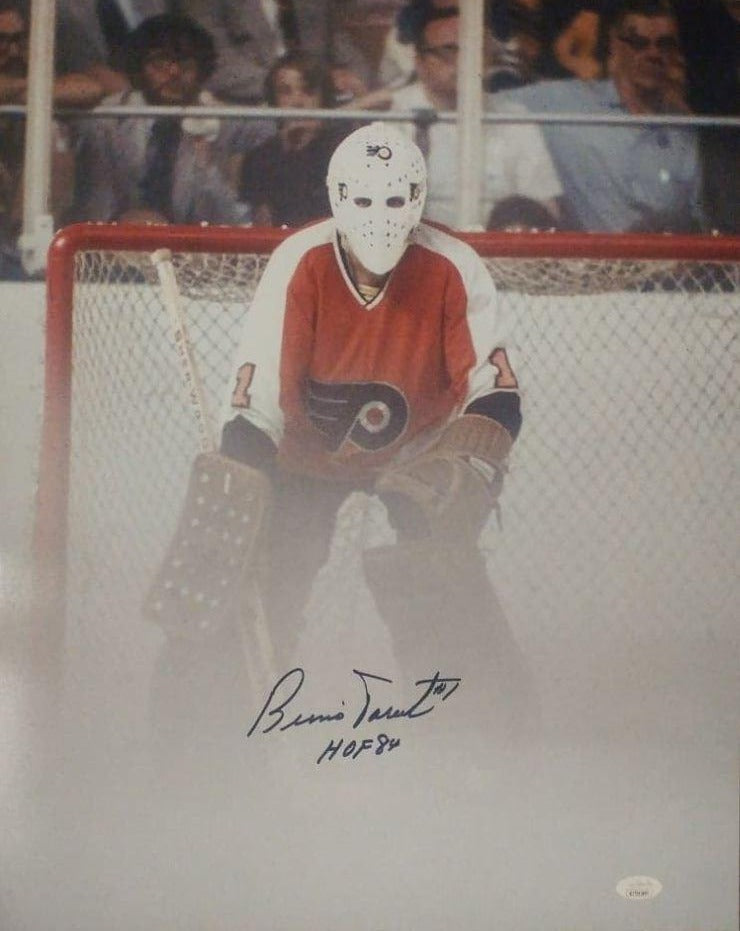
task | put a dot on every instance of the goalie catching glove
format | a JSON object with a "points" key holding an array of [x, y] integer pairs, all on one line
{"points": [[448, 492]]}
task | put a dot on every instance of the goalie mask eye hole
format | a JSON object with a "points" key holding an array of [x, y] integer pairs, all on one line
{"points": [[395, 201], [363, 202]]}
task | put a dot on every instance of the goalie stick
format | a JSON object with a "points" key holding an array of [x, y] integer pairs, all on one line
{"points": [[211, 572]]}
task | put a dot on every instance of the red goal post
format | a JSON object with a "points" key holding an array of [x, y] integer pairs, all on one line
{"points": [[622, 483]]}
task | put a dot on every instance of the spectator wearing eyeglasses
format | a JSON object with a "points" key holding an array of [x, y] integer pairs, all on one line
{"points": [[164, 168], [70, 88], [515, 159], [626, 178], [645, 60], [90, 35]]}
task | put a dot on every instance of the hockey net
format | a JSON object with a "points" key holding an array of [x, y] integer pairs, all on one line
{"points": [[619, 512]]}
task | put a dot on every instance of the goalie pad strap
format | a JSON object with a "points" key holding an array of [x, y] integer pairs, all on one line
{"points": [[476, 435]]}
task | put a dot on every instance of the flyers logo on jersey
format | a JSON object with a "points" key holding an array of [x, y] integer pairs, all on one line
{"points": [[371, 415]]}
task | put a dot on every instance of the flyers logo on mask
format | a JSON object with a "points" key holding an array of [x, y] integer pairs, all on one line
{"points": [[383, 152], [370, 415]]}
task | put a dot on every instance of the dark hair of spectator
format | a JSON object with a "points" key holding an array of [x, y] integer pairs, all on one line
{"points": [[519, 212], [14, 6], [507, 18], [315, 75], [614, 12], [178, 35], [414, 18]]}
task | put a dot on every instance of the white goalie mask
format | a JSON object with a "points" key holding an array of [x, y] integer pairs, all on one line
{"points": [[377, 186]]}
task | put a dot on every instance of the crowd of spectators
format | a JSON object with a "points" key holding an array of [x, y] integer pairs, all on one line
{"points": [[590, 57]]}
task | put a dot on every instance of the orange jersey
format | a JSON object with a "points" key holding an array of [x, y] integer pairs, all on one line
{"points": [[342, 386]]}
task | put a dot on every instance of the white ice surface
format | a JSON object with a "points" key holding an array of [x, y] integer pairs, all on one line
{"points": [[635, 774]]}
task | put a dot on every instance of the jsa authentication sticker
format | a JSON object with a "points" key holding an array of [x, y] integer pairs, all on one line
{"points": [[639, 888]]}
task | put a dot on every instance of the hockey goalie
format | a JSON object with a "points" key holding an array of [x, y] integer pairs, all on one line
{"points": [[372, 359]]}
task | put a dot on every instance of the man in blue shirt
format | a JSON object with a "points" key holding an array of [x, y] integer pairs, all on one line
{"points": [[622, 178]]}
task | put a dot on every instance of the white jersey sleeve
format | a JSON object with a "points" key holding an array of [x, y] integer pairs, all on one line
{"points": [[254, 391]]}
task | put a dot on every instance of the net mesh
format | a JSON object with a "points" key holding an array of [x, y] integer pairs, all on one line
{"points": [[619, 509]]}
